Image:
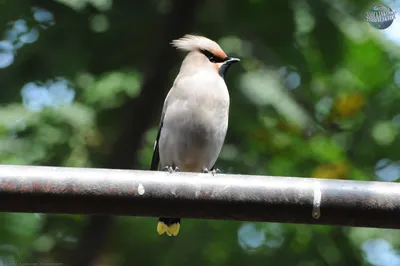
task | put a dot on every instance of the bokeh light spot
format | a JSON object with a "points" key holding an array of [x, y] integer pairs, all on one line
{"points": [[53, 93], [250, 237], [384, 133], [379, 252], [99, 23]]}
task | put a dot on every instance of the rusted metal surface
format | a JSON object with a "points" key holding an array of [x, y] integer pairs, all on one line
{"points": [[190, 195]]}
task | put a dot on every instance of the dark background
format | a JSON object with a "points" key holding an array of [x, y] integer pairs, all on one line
{"points": [[316, 95]]}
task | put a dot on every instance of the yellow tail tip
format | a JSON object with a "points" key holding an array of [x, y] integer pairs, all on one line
{"points": [[161, 228], [172, 230]]}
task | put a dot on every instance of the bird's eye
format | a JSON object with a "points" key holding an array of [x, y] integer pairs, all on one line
{"points": [[212, 57]]}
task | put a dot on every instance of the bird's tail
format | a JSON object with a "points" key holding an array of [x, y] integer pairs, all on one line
{"points": [[170, 226]]}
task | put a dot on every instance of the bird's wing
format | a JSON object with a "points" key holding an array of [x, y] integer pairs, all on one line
{"points": [[156, 155]]}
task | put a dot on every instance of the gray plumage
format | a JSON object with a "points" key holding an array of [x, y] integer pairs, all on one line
{"points": [[194, 119]]}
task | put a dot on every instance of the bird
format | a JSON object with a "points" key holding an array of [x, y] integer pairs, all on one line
{"points": [[194, 118]]}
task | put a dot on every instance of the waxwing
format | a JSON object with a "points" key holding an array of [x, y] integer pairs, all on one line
{"points": [[194, 117]]}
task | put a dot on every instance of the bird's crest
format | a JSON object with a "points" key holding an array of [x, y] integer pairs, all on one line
{"points": [[191, 43]]}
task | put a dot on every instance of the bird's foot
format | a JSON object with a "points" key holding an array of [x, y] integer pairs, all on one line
{"points": [[170, 169], [213, 172], [216, 171]]}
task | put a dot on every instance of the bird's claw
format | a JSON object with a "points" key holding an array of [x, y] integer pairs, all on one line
{"points": [[170, 169], [213, 172], [216, 171]]}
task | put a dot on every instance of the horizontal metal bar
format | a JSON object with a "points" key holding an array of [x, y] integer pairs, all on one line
{"points": [[197, 195]]}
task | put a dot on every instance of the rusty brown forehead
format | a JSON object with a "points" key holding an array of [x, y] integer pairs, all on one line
{"points": [[218, 53]]}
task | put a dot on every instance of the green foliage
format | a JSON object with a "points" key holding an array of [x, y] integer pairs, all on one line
{"points": [[111, 89]]}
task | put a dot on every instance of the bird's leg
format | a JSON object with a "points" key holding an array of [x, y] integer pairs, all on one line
{"points": [[170, 169], [215, 171]]}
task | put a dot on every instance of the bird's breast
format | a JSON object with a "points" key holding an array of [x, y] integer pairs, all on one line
{"points": [[195, 123], [196, 120], [193, 137], [196, 127]]}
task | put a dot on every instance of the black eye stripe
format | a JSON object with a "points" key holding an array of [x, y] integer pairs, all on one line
{"points": [[212, 57]]}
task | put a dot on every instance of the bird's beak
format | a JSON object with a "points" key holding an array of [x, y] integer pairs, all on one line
{"points": [[226, 64], [231, 60]]}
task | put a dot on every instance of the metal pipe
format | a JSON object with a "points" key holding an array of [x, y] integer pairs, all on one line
{"points": [[197, 195]]}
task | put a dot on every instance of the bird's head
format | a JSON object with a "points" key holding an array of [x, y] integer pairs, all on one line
{"points": [[204, 53]]}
